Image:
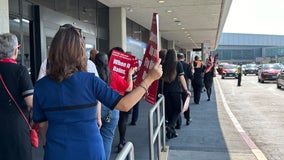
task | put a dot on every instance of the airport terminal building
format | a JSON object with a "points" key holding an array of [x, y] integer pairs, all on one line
{"points": [[250, 48]]}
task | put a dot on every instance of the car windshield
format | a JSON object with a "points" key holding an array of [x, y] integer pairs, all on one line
{"points": [[271, 66], [251, 66], [230, 67]]}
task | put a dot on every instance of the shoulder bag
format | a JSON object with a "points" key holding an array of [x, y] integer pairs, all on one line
{"points": [[33, 132]]}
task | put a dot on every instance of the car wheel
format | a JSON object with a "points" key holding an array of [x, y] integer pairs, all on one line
{"points": [[223, 77], [262, 81], [258, 80]]}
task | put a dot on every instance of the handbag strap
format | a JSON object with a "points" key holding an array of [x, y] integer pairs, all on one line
{"points": [[20, 110]]}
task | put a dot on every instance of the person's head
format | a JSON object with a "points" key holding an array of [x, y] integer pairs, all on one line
{"points": [[162, 55], [196, 58], [101, 61], [66, 54], [169, 65], [180, 56], [114, 48], [8, 46], [93, 54]]}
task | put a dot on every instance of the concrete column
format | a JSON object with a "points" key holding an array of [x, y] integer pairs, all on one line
{"points": [[4, 16], [171, 45], [117, 27]]}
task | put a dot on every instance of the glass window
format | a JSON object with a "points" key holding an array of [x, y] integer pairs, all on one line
{"points": [[23, 34]]}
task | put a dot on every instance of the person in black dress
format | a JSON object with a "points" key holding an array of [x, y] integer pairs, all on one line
{"points": [[208, 81], [15, 141], [173, 82], [197, 79]]}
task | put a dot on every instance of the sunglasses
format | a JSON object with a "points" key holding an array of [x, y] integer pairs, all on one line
{"points": [[69, 26]]}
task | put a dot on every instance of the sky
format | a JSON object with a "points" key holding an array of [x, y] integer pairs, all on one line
{"points": [[256, 17]]}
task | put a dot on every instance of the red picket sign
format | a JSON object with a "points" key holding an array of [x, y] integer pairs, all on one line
{"points": [[150, 57]]}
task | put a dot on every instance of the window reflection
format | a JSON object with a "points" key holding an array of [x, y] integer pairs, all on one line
{"points": [[24, 39]]}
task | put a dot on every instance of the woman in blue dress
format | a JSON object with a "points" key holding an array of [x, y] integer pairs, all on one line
{"points": [[67, 98]]}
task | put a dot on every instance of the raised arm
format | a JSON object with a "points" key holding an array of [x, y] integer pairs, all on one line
{"points": [[128, 101]]}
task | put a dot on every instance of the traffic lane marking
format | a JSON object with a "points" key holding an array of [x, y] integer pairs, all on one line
{"points": [[255, 150]]}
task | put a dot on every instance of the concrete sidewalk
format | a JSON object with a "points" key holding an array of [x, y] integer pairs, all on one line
{"points": [[210, 136]]}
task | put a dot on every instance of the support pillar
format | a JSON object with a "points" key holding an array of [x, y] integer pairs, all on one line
{"points": [[4, 16], [117, 27], [171, 45]]}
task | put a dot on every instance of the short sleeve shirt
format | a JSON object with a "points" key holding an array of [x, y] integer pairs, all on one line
{"points": [[175, 86]]}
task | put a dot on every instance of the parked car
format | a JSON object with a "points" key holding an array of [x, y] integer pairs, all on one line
{"points": [[229, 70], [280, 79], [268, 72], [250, 69]]}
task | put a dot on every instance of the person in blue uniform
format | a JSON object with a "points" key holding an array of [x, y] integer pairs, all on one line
{"points": [[67, 98]]}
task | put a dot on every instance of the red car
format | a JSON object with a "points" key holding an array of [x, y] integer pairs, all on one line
{"points": [[268, 72], [229, 70]]}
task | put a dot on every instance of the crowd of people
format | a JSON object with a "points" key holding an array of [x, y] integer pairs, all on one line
{"points": [[78, 102]]}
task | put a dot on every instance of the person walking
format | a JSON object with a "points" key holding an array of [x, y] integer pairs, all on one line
{"points": [[110, 117], [197, 79], [173, 82], [188, 77], [123, 116], [208, 79], [239, 72], [15, 140], [67, 98]]}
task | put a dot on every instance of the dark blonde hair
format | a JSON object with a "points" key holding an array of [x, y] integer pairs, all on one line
{"points": [[169, 66], [66, 54]]}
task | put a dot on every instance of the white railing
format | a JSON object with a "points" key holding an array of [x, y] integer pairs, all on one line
{"points": [[159, 132], [126, 152]]}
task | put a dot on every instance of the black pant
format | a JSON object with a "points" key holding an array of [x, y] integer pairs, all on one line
{"points": [[172, 108], [122, 124], [135, 113], [239, 79], [197, 87], [186, 113]]}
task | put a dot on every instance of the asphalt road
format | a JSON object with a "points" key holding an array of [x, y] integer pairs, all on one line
{"points": [[259, 109]]}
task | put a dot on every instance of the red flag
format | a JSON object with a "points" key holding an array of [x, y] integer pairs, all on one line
{"points": [[150, 57]]}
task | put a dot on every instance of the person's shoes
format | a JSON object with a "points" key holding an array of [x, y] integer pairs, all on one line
{"points": [[132, 124], [174, 135], [177, 127], [171, 135], [208, 99], [119, 147], [168, 135], [188, 122]]}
